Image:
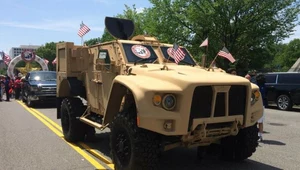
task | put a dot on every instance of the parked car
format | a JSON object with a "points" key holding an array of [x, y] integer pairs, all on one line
{"points": [[39, 86], [283, 88]]}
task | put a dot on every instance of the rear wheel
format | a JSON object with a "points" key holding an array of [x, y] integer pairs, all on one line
{"points": [[73, 129], [132, 147], [284, 102]]}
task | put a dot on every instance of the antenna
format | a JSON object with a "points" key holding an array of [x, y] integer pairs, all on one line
{"points": [[119, 28]]}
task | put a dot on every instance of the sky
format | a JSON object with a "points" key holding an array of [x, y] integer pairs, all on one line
{"points": [[36, 22]]}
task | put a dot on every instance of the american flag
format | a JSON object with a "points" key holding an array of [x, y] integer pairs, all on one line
{"points": [[204, 43], [178, 54], [54, 61], [46, 61], [226, 54], [6, 58], [83, 29]]}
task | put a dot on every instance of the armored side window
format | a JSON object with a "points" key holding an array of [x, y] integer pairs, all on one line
{"points": [[103, 54]]}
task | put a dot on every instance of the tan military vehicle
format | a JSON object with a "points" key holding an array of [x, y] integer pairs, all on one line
{"points": [[150, 103]]}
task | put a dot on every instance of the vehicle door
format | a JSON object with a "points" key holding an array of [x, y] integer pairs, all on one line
{"points": [[107, 73], [292, 85], [103, 73], [271, 86]]}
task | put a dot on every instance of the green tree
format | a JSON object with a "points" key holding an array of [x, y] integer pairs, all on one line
{"points": [[288, 55], [139, 20], [48, 51], [246, 28], [3, 71], [92, 41], [249, 29]]}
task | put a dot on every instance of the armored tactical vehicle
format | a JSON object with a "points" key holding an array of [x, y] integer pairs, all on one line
{"points": [[150, 103]]}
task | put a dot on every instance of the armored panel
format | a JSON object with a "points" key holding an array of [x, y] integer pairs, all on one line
{"points": [[72, 59]]}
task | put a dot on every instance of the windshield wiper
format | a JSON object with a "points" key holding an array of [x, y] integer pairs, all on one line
{"points": [[182, 61], [143, 59]]}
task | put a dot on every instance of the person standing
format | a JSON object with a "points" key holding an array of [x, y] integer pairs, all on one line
{"points": [[260, 80], [7, 87], [1, 88], [17, 88]]}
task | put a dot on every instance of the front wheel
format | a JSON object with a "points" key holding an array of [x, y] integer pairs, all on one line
{"points": [[132, 147], [241, 146], [284, 102], [29, 102]]}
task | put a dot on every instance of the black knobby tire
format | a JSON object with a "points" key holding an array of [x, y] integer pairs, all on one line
{"points": [[240, 147], [73, 129], [284, 102], [133, 148]]}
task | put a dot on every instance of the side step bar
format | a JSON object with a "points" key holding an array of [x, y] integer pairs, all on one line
{"points": [[92, 123]]}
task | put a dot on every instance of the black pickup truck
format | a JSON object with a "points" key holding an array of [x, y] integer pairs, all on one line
{"points": [[39, 86], [283, 88]]}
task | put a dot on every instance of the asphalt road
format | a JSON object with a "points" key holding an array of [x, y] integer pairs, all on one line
{"points": [[31, 139]]}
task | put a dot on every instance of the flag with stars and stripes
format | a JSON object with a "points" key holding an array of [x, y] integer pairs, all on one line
{"points": [[83, 30], [54, 61], [178, 54], [226, 54], [6, 58]]}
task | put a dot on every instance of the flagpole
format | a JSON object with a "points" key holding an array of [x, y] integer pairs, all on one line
{"points": [[212, 62], [204, 56]]}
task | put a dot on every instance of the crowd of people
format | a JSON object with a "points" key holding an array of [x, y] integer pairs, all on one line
{"points": [[10, 88], [260, 81]]}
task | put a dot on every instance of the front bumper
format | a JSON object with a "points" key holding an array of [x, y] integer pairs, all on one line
{"points": [[44, 98], [217, 110]]}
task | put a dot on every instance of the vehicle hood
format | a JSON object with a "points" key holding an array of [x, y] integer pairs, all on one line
{"points": [[185, 75], [42, 83]]}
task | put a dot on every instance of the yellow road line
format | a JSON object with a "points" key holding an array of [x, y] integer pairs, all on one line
{"points": [[97, 155], [78, 149], [92, 151]]}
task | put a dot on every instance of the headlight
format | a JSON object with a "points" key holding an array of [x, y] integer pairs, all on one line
{"points": [[255, 96], [34, 88], [169, 102]]}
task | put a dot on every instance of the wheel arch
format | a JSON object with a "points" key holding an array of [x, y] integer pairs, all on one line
{"points": [[118, 91], [69, 87], [279, 93]]}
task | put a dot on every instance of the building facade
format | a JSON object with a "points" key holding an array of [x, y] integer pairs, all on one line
{"points": [[15, 51]]}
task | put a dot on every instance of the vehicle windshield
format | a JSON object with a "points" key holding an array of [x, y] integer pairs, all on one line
{"points": [[43, 76], [187, 58], [140, 53]]}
